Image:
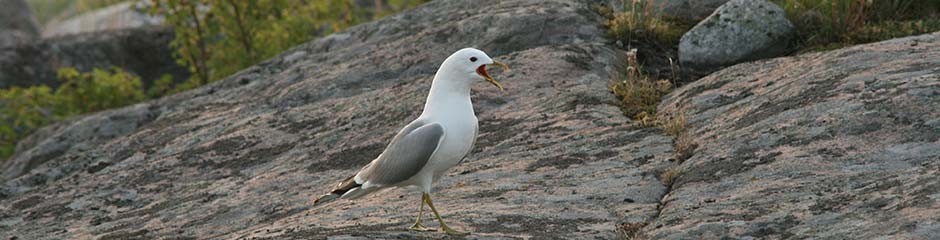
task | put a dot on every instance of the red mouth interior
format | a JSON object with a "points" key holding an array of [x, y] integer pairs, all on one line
{"points": [[482, 71]]}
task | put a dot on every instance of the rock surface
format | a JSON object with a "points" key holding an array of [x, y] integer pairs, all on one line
{"points": [[17, 23], [244, 157], [834, 145], [738, 31], [143, 51]]}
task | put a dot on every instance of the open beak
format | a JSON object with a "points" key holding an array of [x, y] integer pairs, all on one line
{"points": [[482, 71]]}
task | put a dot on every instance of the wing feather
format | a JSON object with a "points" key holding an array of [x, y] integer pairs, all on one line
{"points": [[405, 155]]}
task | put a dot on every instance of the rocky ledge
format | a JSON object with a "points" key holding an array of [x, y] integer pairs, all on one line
{"points": [[829, 145]]}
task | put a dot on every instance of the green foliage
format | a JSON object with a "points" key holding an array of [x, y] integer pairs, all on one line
{"points": [[893, 29], [216, 38], [161, 87], [23, 110], [95, 91], [826, 24], [641, 21]]}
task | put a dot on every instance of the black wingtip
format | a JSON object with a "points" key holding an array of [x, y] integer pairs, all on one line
{"points": [[340, 189], [345, 186], [325, 199]]}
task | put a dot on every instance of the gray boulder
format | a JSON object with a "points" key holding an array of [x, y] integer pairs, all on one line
{"points": [[17, 23], [738, 31], [125, 15], [836, 145], [143, 51]]}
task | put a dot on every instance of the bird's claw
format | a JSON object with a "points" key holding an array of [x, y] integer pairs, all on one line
{"points": [[420, 228]]}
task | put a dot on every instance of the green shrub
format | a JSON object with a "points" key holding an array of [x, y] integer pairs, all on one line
{"points": [[827, 24], [95, 91], [160, 87], [23, 110], [216, 38]]}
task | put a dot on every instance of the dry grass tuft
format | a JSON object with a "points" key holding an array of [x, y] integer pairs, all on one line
{"points": [[638, 94], [640, 21], [633, 231], [670, 176], [684, 147], [677, 127]]}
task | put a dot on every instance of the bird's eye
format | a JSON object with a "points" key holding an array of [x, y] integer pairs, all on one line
{"points": [[473, 59]]}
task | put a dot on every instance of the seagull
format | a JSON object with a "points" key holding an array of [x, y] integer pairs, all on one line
{"points": [[437, 140]]}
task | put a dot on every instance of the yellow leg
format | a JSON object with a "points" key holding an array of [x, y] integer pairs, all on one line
{"points": [[417, 226], [444, 227]]}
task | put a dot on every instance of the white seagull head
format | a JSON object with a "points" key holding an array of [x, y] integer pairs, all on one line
{"points": [[470, 64]]}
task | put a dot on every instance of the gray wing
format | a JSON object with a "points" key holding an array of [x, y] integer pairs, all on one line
{"points": [[405, 155]]}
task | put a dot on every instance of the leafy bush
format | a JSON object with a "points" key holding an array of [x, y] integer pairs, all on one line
{"points": [[95, 91], [162, 86], [215, 38], [23, 110], [825, 24]]}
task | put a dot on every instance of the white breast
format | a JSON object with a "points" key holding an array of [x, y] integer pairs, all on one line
{"points": [[459, 137], [460, 128]]}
